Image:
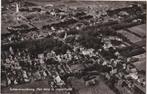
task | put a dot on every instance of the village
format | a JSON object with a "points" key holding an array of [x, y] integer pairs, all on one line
{"points": [[83, 47]]}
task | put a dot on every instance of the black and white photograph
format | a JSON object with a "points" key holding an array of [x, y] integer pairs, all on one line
{"points": [[73, 47]]}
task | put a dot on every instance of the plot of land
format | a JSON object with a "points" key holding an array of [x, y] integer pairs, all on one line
{"points": [[130, 36], [140, 30], [141, 64]]}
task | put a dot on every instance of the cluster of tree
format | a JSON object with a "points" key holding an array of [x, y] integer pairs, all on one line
{"points": [[90, 41], [22, 28], [60, 24], [39, 46], [134, 9], [131, 18], [90, 35]]}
